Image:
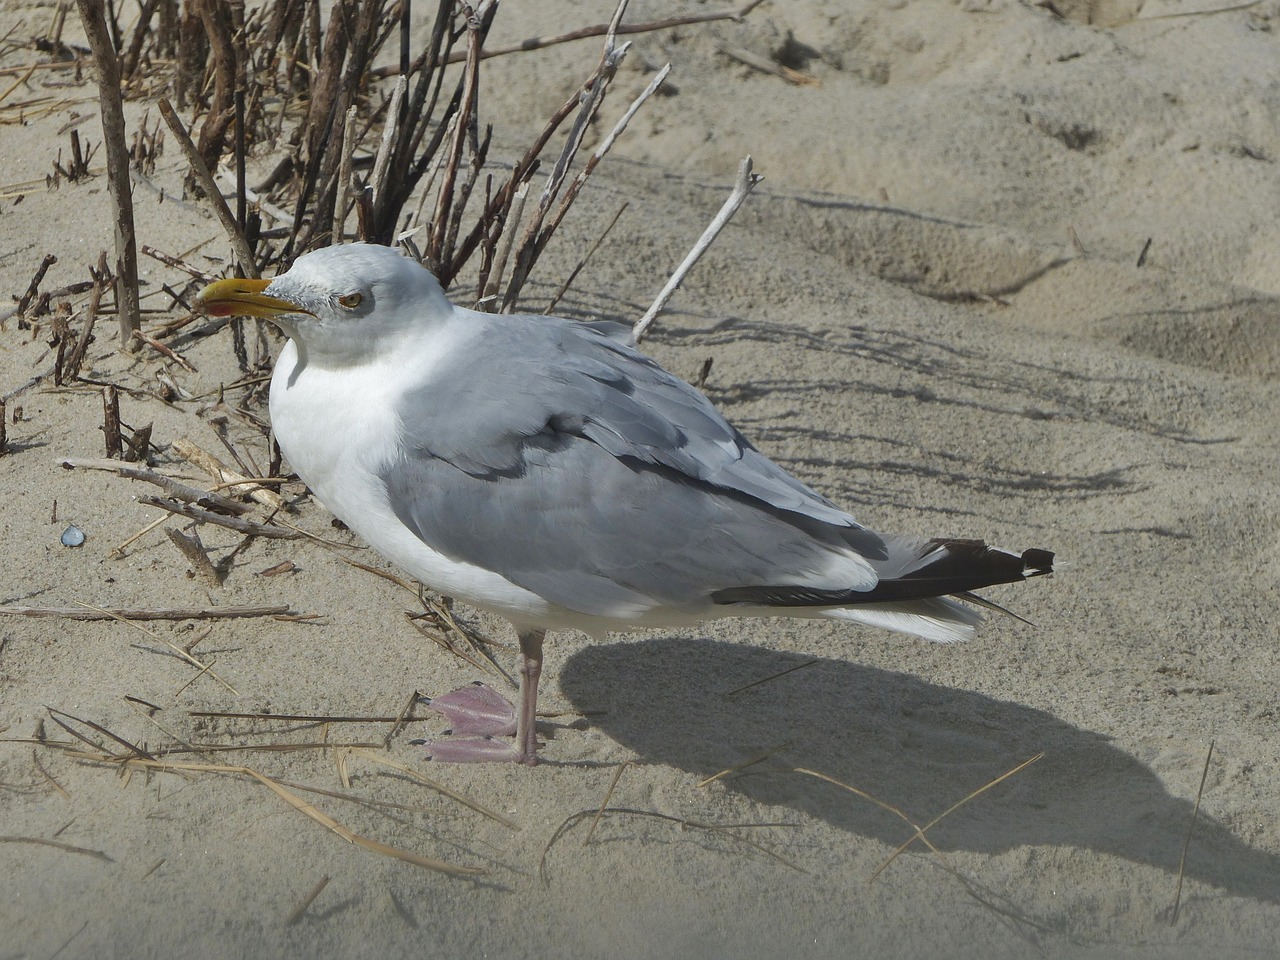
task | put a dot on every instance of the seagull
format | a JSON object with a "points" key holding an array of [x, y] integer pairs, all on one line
{"points": [[546, 470]]}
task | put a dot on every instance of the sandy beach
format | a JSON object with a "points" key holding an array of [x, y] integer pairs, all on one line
{"points": [[1012, 274]]}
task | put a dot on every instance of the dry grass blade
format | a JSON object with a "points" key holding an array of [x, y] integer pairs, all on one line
{"points": [[309, 810], [921, 831], [573, 274], [296, 913], [724, 830], [35, 758], [608, 795], [281, 789], [83, 851], [750, 762], [290, 717], [1195, 812], [184, 654], [57, 717], [439, 788], [774, 676]]}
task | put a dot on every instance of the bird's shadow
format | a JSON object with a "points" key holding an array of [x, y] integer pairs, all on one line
{"points": [[910, 743]]}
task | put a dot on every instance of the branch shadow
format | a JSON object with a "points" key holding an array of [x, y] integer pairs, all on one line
{"points": [[913, 744]]}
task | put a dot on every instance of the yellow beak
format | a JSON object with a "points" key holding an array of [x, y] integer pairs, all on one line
{"points": [[237, 297]]}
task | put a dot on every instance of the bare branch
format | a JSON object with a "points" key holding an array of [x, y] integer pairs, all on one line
{"points": [[745, 183]]}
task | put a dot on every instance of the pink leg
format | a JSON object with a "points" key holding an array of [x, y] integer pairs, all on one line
{"points": [[476, 710], [479, 709]]}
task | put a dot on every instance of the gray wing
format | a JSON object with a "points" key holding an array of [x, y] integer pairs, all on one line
{"points": [[592, 533], [582, 471], [518, 382]]}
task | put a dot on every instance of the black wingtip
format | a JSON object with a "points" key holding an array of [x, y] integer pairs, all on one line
{"points": [[1037, 562]]}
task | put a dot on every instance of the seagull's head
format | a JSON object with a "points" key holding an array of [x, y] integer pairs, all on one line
{"points": [[342, 301]]}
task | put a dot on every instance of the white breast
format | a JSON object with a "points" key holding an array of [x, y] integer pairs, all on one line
{"points": [[339, 430]]}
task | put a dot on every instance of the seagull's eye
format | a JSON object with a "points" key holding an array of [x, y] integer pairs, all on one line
{"points": [[351, 300]]}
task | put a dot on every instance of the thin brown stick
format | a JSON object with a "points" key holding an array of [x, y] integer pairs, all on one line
{"points": [[101, 276], [117, 149], [169, 352], [175, 488], [189, 546], [584, 33], [33, 288], [111, 423], [238, 242], [404, 717], [177, 262], [179, 613], [232, 523]]}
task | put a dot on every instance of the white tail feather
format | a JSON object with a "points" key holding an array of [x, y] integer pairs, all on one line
{"points": [[937, 619]]}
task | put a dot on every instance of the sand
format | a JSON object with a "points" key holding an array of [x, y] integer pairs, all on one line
{"points": [[932, 310]]}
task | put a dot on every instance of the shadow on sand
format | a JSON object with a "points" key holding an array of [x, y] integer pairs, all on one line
{"points": [[910, 743]]}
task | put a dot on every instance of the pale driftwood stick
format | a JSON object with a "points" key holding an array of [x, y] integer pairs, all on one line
{"points": [[571, 192], [504, 249], [344, 197], [223, 474], [177, 262], [104, 54], [238, 243], [179, 613], [169, 352], [221, 520], [383, 160], [746, 182], [191, 548], [181, 491], [765, 65]]}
